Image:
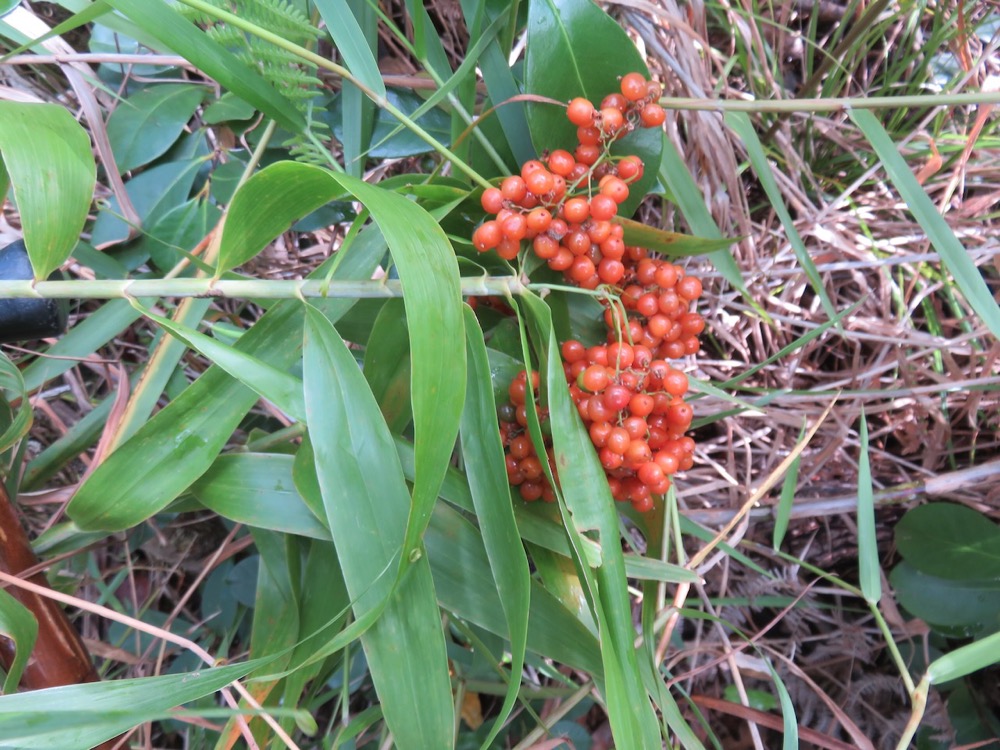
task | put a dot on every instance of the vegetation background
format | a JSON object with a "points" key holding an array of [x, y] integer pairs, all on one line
{"points": [[341, 559]]}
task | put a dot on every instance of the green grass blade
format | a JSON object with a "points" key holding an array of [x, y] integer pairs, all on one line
{"points": [[868, 563], [955, 258], [965, 660], [783, 512], [48, 160], [484, 459], [86, 715], [367, 504], [675, 175], [181, 36], [740, 124]]}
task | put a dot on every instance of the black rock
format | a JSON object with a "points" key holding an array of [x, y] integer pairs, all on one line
{"points": [[26, 319]]}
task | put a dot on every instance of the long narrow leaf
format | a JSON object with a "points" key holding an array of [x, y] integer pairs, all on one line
{"points": [[484, 458], [367, 503], [870, 574]]}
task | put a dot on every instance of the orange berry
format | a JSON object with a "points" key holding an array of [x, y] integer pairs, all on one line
{"points": [[581, 112], [633, 86]]}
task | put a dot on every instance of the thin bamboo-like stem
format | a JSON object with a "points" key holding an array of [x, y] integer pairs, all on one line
{"points": [[484, 286], [318, 60]]}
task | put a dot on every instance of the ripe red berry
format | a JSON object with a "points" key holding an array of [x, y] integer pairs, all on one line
{"points": [[633, 86], [487, 236], [652, 116], [603, 208], [561, 162], [513, 188], [492, 200], [581, 112]]}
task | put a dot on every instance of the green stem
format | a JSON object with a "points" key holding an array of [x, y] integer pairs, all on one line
{"points": [[832, 104], [321, 62], [890, 643], [241, 288]]}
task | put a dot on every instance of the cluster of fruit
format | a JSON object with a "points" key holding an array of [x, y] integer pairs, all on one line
{"points": [[628, 395]]}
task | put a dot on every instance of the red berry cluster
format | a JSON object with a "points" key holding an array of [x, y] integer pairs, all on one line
{"points": [[628, 395], [565, 205]]}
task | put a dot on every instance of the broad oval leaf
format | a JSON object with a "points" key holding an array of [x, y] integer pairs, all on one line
{"points": [[256, 489], [576, 49], [145, 125], [950, 541], [47, 156]]}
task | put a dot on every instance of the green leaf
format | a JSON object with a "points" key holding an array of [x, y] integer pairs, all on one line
{"points": [[19, 625], [740, 124], [965, 660], [276, 385], [870, 575], [955, 258], [970, 605], [367, 504], [350, 41], [47, 156], [154, 193], [576, 49], [484, 458], [671, 244], [591, 508], [77, 716], [950, 541], [387, 365], [184, 38], [674, 174], [148, 123], [256, 489], [428, 271], [12, 389], [181, 441]]}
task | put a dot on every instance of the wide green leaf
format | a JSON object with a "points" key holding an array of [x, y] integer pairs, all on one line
{"points": [[968, 606], [48, 160], [256, 489], [950, 541], [20, 626], [576, 49], [145, 125], [176, 33], [367, 504]]}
